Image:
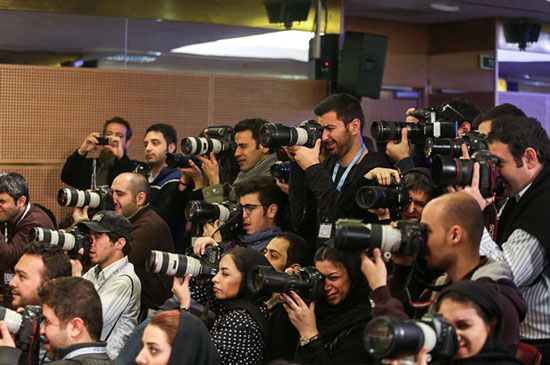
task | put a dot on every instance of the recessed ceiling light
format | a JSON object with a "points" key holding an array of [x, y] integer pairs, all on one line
{"points": [[445, 7]]}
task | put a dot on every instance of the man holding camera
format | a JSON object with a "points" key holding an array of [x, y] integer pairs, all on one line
{"points": [[18, 216], [333, 182], [454, 225], [72, 325], [113, 160], [522, 148], [113, 277]]}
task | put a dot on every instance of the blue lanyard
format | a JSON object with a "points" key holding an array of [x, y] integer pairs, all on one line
{"points": [[346, 172]]}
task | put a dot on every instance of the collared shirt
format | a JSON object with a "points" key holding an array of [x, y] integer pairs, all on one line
{"points": [[80, 349], [119, 289]]}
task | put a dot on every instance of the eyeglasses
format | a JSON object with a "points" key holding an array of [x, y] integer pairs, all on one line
{"points": [[248, 208]]}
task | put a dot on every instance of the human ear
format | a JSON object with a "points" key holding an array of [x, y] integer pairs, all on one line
{"points": [[530, 157], [140, 198], [172, 147], [21, 201], [272, 210]]}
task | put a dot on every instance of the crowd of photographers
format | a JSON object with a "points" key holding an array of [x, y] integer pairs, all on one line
{"points": [[264, 243]]}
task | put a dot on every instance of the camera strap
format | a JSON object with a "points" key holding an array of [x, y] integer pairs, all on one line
{"points": [[348, 169]]}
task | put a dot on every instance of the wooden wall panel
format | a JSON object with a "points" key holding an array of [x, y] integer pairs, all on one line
{"points": [[46, 112], [460, 71]]}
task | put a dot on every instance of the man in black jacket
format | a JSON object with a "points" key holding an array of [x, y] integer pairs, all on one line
{"points": [[334, 181], [72, 325], [113, 160]]}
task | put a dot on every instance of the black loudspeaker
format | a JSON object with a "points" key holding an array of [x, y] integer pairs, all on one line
{"points": [[287, 11], [522, 33], [326, 67], [362, 65]]}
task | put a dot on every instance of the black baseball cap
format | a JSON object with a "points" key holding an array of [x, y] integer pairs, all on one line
{"points": [[107, 221]]}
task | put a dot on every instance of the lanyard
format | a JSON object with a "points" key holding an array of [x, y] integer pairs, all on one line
{"points": [[346, 172]]}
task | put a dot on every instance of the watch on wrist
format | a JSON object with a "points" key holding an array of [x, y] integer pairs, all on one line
{"points": [[304, 341]]}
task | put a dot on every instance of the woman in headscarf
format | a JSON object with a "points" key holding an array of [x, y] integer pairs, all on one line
{"points": [[240, 329], [331, 330]]}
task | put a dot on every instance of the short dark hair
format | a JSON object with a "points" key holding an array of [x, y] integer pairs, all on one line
{"points": [[14, 185], [56, 263], [298, 252], [113, 237], [497, 111], [72, 297], [519, 133], [267, 189], [467, 110], [346, 106], [168, 132], [418, 180], [253, 125], [122, 121]]}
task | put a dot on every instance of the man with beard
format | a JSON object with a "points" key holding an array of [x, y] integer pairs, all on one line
{"points": [[322, 192], [112, 160]]}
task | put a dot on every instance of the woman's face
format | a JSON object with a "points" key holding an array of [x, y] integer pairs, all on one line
{"points": [[156, 348], [228, 279], [337, 281], [470, 328]]}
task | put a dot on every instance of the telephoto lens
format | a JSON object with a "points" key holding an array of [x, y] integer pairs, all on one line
{"points": [[384, 131], [100, 198], [181, 161], [201, 146], [474, 142], [307, 281], [198, 211], [12, 318], [65, 240], [172, 264], [374, 197], [276, 135], [388, 337]]}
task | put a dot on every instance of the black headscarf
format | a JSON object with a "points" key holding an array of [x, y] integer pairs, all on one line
{"points": [[488, 301], [355, 308], [245, 259], [193, 345]]}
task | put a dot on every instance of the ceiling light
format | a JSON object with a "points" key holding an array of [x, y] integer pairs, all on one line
{"points": [[289, 44], [445, 7]]}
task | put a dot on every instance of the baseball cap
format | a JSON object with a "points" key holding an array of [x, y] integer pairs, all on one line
{"points": [[106, 221]]}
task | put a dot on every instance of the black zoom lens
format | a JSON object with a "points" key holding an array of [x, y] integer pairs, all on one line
{"points": [[383, 131], [276, 135], [78, 198], [374, 197], [443, 146], [448, 171], [180, 160], [281, 170]]}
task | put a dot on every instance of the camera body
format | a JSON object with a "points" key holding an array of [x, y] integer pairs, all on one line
{"points": [[24, 325], [426, 115], [392, 196], [281, 170], [102, 141], [101, 198], [391, 338], [307, 281], [474, 141], [72, 241], [447, 171], [172, 264], [407, 238], [276, 135], [181, 161], [221, 139]]}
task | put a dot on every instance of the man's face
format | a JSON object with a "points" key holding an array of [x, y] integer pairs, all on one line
{"points": [[123, 196], [102, 250], [116, 133], [27, 281], [419, 199], [54, 332], [436, 249], [246, 153], [10, 209], [276, 253], [337, 138], [255, 217], [156, 148], [513, 178]]}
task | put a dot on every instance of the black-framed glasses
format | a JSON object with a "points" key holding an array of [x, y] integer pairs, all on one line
{"points": [[248, 208]]}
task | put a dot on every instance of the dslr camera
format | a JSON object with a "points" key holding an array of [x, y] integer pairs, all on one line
{"points": [[101, 198], [447, 171], [199, 211], [276, 135], [384, 131], [281, 170], [72, 241], [221, 139], [388, 337], [172, 264], [25, 326], [474, 141], [307, 282], [392, 196], [407, 238], [181, 161]]}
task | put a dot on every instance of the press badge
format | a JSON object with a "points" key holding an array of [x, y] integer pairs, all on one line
{"points": [[325, 230]]}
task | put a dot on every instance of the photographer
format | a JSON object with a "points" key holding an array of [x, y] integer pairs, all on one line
{"points": [[523, 237], [331, 329], [253, 159], [482, 122], [454, 226], [320, 193], [18, 216], [113, 160], [72, 325]]}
